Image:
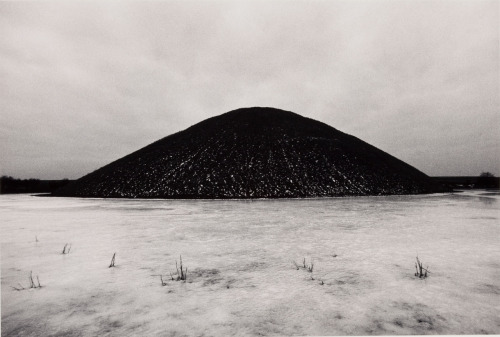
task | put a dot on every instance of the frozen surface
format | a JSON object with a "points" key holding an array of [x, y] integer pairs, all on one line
{"points": [[241, 276]]}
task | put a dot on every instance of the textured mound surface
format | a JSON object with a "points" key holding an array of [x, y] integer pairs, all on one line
{"points": [[253, 153]]}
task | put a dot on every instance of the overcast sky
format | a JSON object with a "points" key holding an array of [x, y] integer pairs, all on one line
{"points": [[83, 84]]}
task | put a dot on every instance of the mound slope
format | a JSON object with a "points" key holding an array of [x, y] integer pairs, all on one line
{"points": [[254, 153]]}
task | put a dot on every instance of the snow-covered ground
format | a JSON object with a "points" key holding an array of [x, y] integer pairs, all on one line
{"points": [[241, 279]]}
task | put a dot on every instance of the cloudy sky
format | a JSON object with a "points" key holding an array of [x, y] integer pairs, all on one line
{"points": [[85, 83]]}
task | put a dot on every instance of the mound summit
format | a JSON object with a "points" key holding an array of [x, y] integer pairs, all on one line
{"points": [[253, 153]]}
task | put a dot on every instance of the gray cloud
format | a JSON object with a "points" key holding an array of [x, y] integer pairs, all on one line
{"points": [[82, 84]]}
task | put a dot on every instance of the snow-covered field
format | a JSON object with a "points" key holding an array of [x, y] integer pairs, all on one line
{"points": [[241, 279]]}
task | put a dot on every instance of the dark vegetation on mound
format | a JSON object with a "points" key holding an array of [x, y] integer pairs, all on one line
{"points": [[254, 153]]}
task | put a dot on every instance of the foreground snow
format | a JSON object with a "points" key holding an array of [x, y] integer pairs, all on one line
{"points": [[241, 276]]}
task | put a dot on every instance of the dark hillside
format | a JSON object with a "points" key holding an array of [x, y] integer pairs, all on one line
{"points": [[254, 153]]}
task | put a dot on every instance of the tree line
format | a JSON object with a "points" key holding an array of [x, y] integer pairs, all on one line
{"points": [[10, 185]]}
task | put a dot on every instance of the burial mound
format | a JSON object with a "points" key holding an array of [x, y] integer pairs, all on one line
{"points": [[254, 153]]}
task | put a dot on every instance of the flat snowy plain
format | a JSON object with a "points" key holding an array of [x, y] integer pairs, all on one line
{"points": [[241, 276]]}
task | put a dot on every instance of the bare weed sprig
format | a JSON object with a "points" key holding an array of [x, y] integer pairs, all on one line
{"points": [[66, 249], [182, 275], [420, 271], [112, 264], [308, 267]]}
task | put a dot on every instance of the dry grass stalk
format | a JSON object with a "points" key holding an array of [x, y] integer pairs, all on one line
{"points": [[32, 282], [310, 267], [66, 247], [112, 264], [18, 289]]}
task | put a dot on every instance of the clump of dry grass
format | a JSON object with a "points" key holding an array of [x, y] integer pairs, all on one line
{"points": [[308, 267], [420, 271], [33, 284], [182, 275]]}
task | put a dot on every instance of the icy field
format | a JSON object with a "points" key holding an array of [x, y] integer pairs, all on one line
{"points": [[241, 279]]}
